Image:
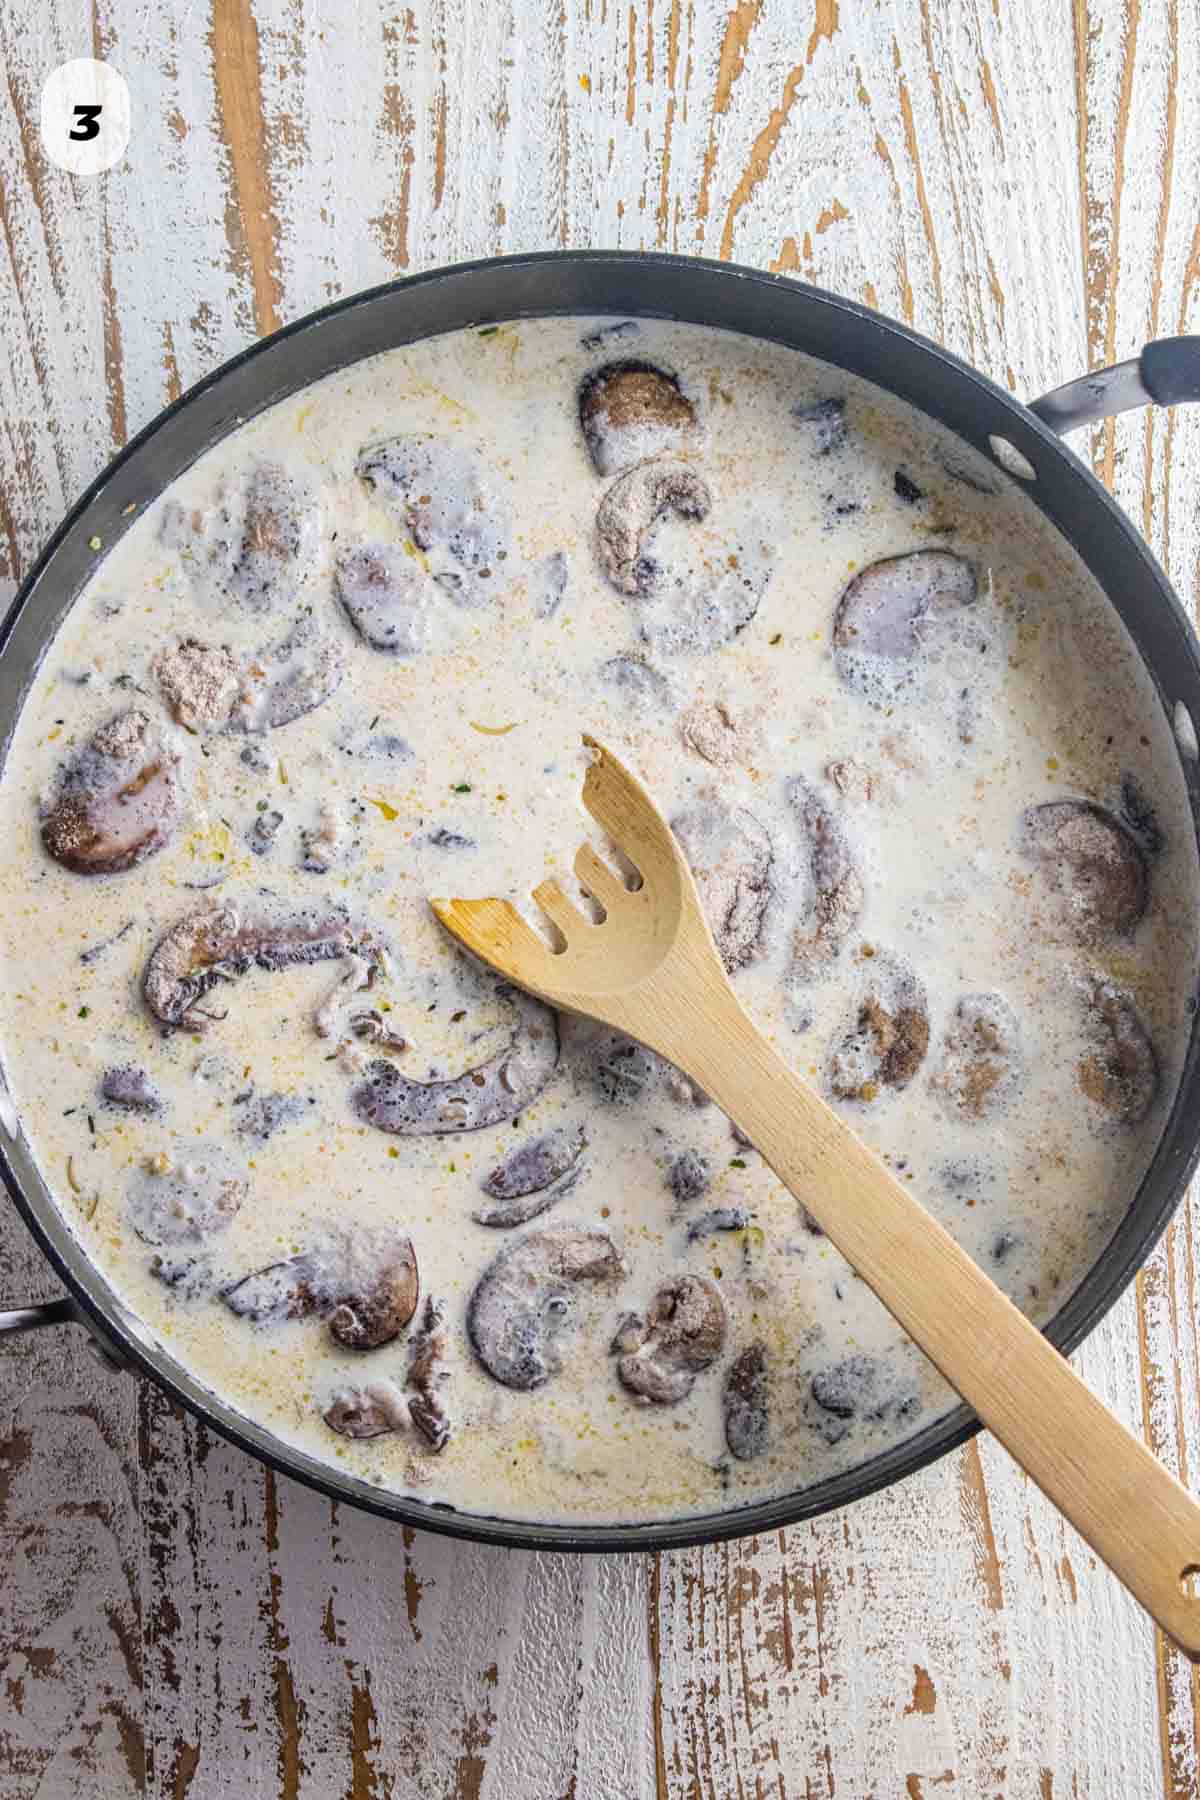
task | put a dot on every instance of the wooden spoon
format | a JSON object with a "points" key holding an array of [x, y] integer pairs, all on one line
{"points": [[651, 969]]}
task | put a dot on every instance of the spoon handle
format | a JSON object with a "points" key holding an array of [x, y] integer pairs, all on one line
{"points": [[1131, 1510]]}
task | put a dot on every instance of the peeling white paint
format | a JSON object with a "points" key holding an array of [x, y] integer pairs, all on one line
{"points": [[162, 1596]]}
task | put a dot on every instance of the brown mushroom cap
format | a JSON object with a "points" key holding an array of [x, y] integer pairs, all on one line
{"points": [[981, 1057], [364, 1281], [280, 537], [747, 1404], [377, 1300], [1090, 859], [118, 800], [629, 410], [367, 1411], [632, 507], [1119, 1068], [683, 1334], [885, 1043]]}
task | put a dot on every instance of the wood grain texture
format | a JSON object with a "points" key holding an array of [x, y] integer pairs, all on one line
{"points": [[1019, 182]]}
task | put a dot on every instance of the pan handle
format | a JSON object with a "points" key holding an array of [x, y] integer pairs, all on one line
{"points": [[61, 1312], [53, 1312], [1166, 373]]}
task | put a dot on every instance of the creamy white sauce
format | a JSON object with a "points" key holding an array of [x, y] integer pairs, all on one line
{"points": [[473, 733]]}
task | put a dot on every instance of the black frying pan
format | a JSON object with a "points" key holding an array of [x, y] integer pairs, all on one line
{"points": [[1020, 438]]}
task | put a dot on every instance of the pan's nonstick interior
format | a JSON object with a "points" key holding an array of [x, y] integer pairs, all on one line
{"points": [[785, 314]]}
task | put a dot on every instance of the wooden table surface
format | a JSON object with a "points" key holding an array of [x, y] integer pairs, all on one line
{"points": [[1017, 180]]}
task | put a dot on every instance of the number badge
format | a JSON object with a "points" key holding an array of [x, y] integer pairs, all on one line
{"points": [[85, 116]]}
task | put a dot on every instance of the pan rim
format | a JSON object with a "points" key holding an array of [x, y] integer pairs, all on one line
{"points": [[1135, 1236]]}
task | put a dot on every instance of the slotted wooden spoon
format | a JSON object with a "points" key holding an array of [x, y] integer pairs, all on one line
{"points": [[651, 969]]}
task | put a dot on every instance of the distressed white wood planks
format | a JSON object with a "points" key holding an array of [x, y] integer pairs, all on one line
{"points": [[1019, 183]]}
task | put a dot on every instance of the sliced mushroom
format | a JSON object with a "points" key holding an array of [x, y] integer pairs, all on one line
{"points": [[358, 972], [713, 731], [388, 597], [326, 844], [262, 833], [1138, 814], [187, 1197], [199, 683], [496, 1090], [823, 425], [364, 1282], [644, 688], [631, 410], [118, 800], [982, 1064], [622, 1071], [902, 611], [188, 1276], [631, 509], [289, 678], [683, 1334], [428, 1376], [367, 1411], [450, 501], [1088, 857], [747, 1404], [130, 1089], [732, 859], [692, 596], [257, 543], [533, 1176], [859, 1388], [548, 583], [885, 1043], [371, 1026], [260, 1116], [1119, 1069], [223, 942], [720, 1218], [837, 895], [688, 1177], [522, 1302], [282, 1290], [378, 1291]]}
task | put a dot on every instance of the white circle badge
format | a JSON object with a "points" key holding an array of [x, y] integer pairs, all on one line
{"points": [[85, 116]]}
